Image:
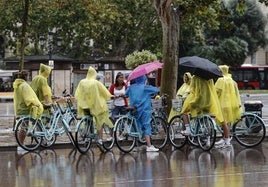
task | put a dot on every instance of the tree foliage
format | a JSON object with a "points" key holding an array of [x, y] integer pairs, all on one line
{"points": [[170, 27], [139, 57], [231, 51]]}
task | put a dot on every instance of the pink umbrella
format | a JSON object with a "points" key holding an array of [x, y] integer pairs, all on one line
{"points": [[144, 69]]}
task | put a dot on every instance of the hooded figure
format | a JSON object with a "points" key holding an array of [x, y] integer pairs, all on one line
{"points": [[227, 90], [92, 94], [202, 99], [40, 84], [183, 91], [25, 100], [140, 97]]}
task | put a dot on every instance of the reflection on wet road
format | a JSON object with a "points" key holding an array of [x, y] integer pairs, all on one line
{"points": [[235, 166]]}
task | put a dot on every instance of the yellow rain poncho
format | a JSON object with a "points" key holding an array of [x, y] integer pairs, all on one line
{"points": [[228, 96], [183, 91], [92, 94], [40, 84], [202, 99], [25, 100]]}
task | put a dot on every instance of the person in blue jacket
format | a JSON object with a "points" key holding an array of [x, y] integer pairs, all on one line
{"points": [[139, 95]]}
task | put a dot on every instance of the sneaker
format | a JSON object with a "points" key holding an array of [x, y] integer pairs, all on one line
{"points": [[187, 131], [221, 141], [151, 149], [228, 140], [109, 138], [224, 143]]}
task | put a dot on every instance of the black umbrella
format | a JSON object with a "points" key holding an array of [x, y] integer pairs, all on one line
{"points": [[200, 66]]}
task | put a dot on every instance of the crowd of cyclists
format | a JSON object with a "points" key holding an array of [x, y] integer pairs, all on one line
{"points": [[221, 100]]}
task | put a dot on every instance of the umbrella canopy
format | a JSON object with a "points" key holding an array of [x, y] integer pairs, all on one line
{"points": [[144, 69], [200, 66]]}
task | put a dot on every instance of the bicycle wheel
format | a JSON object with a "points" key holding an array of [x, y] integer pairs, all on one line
{"points": [[83, 134], [250, 130], [193, 139], [123, 134], [68, 129], [72, 124], [174, 132], [108, 138], [28, 133], [206, 132], [159, 132], [46, 123]]}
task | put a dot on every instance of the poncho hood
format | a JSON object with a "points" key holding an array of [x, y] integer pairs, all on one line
{"points": [[224, 69], [44, 70], [188, 74], [17, 83], [140, 80], [91, 73]]}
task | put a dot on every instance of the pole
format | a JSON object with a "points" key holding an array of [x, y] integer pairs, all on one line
{"points": [[51, 64]]}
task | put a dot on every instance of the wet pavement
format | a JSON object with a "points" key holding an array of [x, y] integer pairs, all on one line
{"points": [[190, 166]]}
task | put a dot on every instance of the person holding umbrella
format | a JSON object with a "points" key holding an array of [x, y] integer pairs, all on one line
{"points": [[139, 94], [227, 91], [202, 99]]}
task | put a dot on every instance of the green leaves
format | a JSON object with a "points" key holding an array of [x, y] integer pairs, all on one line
{"points": [[139, 57]]}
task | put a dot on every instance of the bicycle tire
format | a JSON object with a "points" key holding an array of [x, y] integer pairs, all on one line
{"points": [[206, 132], [159, 130], [68, 132], [72, 124], [107, 137], [83, 134], [176, 125], [192, 140], [33, 133], [250, 130], [46, 123], [122, 134]]}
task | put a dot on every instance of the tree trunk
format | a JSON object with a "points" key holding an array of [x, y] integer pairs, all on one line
{"points": [[23, 33], [170, 27]]}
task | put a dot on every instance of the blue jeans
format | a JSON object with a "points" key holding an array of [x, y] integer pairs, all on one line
{"points": [[118, 110]]}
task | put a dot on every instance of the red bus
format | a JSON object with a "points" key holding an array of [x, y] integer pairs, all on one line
{"points": [[250, 76]]}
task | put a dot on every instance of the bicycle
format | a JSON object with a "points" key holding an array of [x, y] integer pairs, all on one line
{"points": [[202, 130], [30, 132], [127, 133], [159, 106], [249, 131], [86, 133]]}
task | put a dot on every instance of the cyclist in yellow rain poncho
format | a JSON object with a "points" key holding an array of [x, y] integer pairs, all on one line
{"points": [[230, 103], [40, 84], [25, 100], [92, 94], [183, 91], [202, 99]]}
